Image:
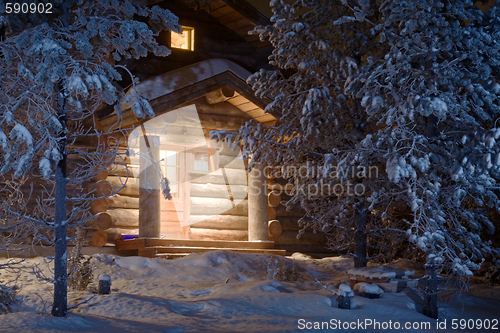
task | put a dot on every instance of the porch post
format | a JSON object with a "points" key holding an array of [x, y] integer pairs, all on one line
{"points": [[257, 205], [149, 196]]}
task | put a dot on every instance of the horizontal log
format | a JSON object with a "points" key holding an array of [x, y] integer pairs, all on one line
{"points": [[116, 233], [99, 189], [214, 234], [122, 201], [220, 95], [122, 171], [130, 188], [290, 237], [102, 175], [103, 221], [215, 206], [218, 191], [295, 211], [99, 206], [273, 199], [113, 123], [271, 213], [229, 222], [96, 238], [234, 177], [275, 229], [289, 223], [130, 217], [124, 217]]}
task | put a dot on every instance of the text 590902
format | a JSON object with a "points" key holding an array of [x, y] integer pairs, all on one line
{"points": [[28, 8]]}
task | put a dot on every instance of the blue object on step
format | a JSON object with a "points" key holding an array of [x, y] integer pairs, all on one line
{"points": [[125, 237]]}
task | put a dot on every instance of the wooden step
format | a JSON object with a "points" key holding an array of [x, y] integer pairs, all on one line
{"points": [[191, 249], [133, 244]]}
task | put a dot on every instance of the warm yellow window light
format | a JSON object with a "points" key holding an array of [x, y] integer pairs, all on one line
{"points": [[184, 41]]}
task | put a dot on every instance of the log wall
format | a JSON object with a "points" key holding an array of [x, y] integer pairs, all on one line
{"points": [[309, 242], [218, 203]]}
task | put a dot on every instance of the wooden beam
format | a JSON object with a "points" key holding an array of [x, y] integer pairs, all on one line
{"points": [[220, 95], [214, 234], [218, 191], [149, 199], [187, 95], [257, 205], [224, 109], [122, 201], [228, 222], [201, 243]]}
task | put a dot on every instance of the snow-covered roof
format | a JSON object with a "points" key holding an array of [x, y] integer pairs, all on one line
{"points": [[175, 88], [166, 83]]}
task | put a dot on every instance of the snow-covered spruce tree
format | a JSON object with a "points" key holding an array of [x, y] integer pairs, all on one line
{"points": [[419, 81], [56, 70], [318, 141], [435, 93]]}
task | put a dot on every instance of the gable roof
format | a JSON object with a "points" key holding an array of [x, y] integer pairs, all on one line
{"points": [[179, 87]]}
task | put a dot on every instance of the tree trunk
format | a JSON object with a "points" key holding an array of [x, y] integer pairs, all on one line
{"points": [[360, 235], [430, 293], [60, 306]]}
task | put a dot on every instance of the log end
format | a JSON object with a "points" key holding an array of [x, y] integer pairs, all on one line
{"points": [[275, 228], [97, 238]]}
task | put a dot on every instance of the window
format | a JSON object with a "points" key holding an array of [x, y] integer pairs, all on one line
{"points": [[203, 160], [184, 40]]}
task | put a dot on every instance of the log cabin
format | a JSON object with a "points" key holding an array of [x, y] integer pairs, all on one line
{"points": [[200, 87]]}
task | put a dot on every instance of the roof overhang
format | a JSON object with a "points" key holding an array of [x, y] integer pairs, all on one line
{"points": [[182, 86]]}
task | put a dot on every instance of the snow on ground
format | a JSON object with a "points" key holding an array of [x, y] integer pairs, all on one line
{"points": [[221, 292]]}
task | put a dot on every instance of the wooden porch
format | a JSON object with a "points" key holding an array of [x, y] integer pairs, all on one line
{"points": [[176, 248]]}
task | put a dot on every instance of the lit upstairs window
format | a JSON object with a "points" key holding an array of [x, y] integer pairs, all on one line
{"points": [[184, 41]]}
